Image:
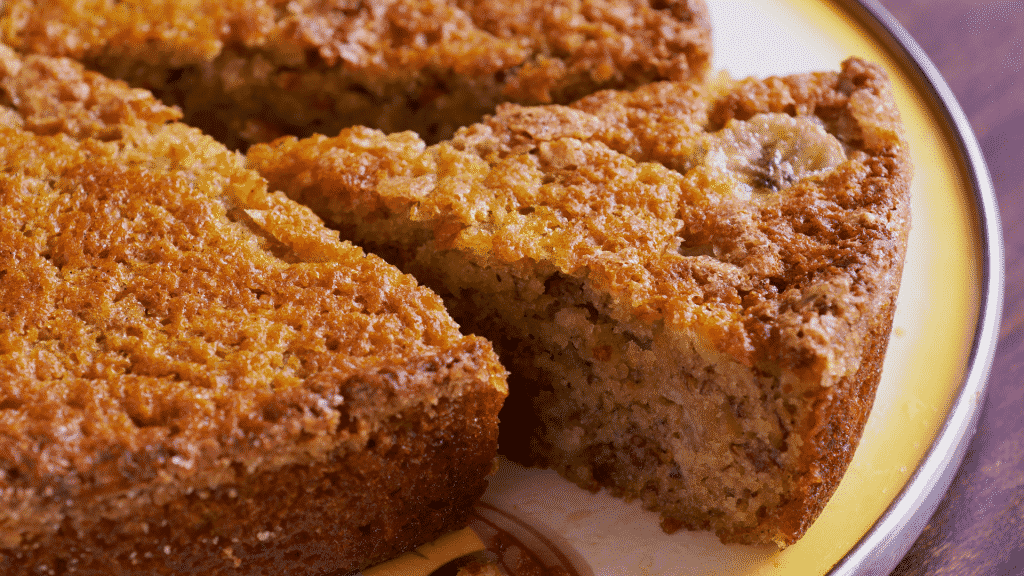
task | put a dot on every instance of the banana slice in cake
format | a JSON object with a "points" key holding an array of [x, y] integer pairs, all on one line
{"points": [[693, 287]]}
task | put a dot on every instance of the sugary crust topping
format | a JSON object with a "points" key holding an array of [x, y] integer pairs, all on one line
{"points": [[773, 259], [166, 324], [540, 43], [54, 97]]}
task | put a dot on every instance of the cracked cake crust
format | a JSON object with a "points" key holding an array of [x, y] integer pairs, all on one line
{"points": [[692, 286], [250, 70], [181, 349]]}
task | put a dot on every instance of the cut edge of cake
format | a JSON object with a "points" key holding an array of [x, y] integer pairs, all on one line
{"points": [[692, 286]]}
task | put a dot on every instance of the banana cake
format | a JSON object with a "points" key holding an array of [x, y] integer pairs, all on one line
{"points": [[691, 285], [198, 377], [249, 70]]}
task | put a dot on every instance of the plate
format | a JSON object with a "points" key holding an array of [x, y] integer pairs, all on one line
{"points": [[933, 381]]}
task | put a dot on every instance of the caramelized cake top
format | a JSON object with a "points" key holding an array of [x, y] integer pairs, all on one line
{"points": [[767, 217], [166, 323], [545, 46]]}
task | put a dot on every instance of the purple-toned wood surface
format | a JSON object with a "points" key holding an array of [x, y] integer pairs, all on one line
{"points": [[978, 46]]}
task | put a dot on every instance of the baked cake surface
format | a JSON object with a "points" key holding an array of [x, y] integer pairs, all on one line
{"points": [[692, 287], [198, 377], [250, 70]]}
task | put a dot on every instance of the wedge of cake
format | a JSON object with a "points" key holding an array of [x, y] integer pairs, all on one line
{"points": [[693, 287], [250, 70], [198, 377]]}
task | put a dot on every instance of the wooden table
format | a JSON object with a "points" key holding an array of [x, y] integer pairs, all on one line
{"points": [[978, 45]]}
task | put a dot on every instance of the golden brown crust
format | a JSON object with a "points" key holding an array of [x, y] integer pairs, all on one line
{"points": [[767, 253], [766, 220], [858, 104], [264, 525], [248, 70], [840, 418], [170, 329]]}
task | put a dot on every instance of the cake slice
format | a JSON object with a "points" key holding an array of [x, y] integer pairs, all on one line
{"points": [[692, 286], [250, 70], [198, 377]]}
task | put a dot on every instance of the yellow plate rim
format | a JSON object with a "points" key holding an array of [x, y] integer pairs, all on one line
{"points": [[886, 537], [889, 539]]}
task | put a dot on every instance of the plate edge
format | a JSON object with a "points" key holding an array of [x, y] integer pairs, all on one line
{"points": [[880, 550]]}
